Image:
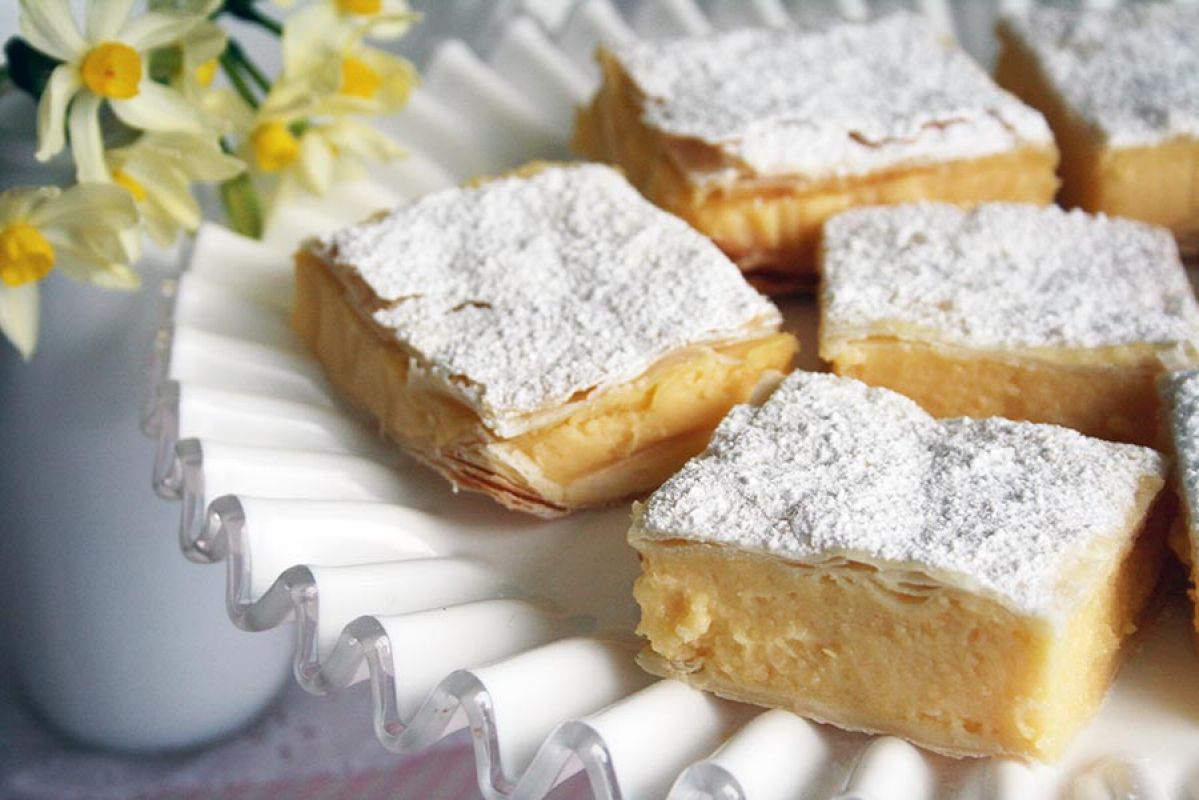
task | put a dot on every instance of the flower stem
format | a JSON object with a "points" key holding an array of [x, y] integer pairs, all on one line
{"points": [[232, 69], [257, 75], [244, 9]]}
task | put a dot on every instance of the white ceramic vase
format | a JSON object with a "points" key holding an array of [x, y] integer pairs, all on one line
{"points": [[115, 637]]}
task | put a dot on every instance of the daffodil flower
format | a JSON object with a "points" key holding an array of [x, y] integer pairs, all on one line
{"points": [[324, 152], [372, 82], [158, 171], [329, 25], [273, 135], [297, 95], [106, 62], [198, 67], [199, 49], [78, 231]]}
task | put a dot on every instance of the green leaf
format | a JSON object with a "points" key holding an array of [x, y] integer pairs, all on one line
{"points": [[246, 9], [29, 69]]}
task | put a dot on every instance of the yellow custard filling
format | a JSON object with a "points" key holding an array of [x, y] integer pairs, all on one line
{"points": [[887, 650], [1101, 393], [687, 393]]}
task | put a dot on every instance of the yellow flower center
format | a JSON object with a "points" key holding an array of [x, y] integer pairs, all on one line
{"points": [[363, 7], [206, 72], [274, 146], [358, 79], [25, 255], [130, 184], [112, 70]]}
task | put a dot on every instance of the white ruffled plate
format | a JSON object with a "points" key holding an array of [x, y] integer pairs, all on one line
{"points": [[462, 614]]}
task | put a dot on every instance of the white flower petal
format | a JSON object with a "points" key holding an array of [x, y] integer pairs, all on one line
{"points": [[87, 205], [74, 264], [21, 202], [363, 141], [156, 29], [87, 143], [391, 26], [301, 94], [158, 223], [131, 242], [204, 42], [393, 20], [49, 25], [197, 157], [117, 276], [19, 316], [52, 109], [105, 18], [230, 113], [212, 165], [316, 163], [82, 266], [170, 193], [158, 108], [93, 245], [399, 78], [310, 34], [208, 165]]}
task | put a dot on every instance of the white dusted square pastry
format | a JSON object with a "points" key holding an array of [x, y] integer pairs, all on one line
{"points": [[1010, 310], [963, 583], [550, 339], [756, 137]]}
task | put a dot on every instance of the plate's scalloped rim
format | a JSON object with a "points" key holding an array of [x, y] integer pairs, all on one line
{"points": [[613, 703]]}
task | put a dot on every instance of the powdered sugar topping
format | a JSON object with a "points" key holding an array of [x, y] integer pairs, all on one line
{"points": [[849, 100], [523, 292], [1181, 392], [1131, 72], [1005, 276], [829, 468]]}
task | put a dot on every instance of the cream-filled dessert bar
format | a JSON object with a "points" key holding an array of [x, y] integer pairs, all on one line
{"points": [[1120, 88], [1010, 310], [1180, 393], [549, 339], [963, 583], [756, 137]]}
